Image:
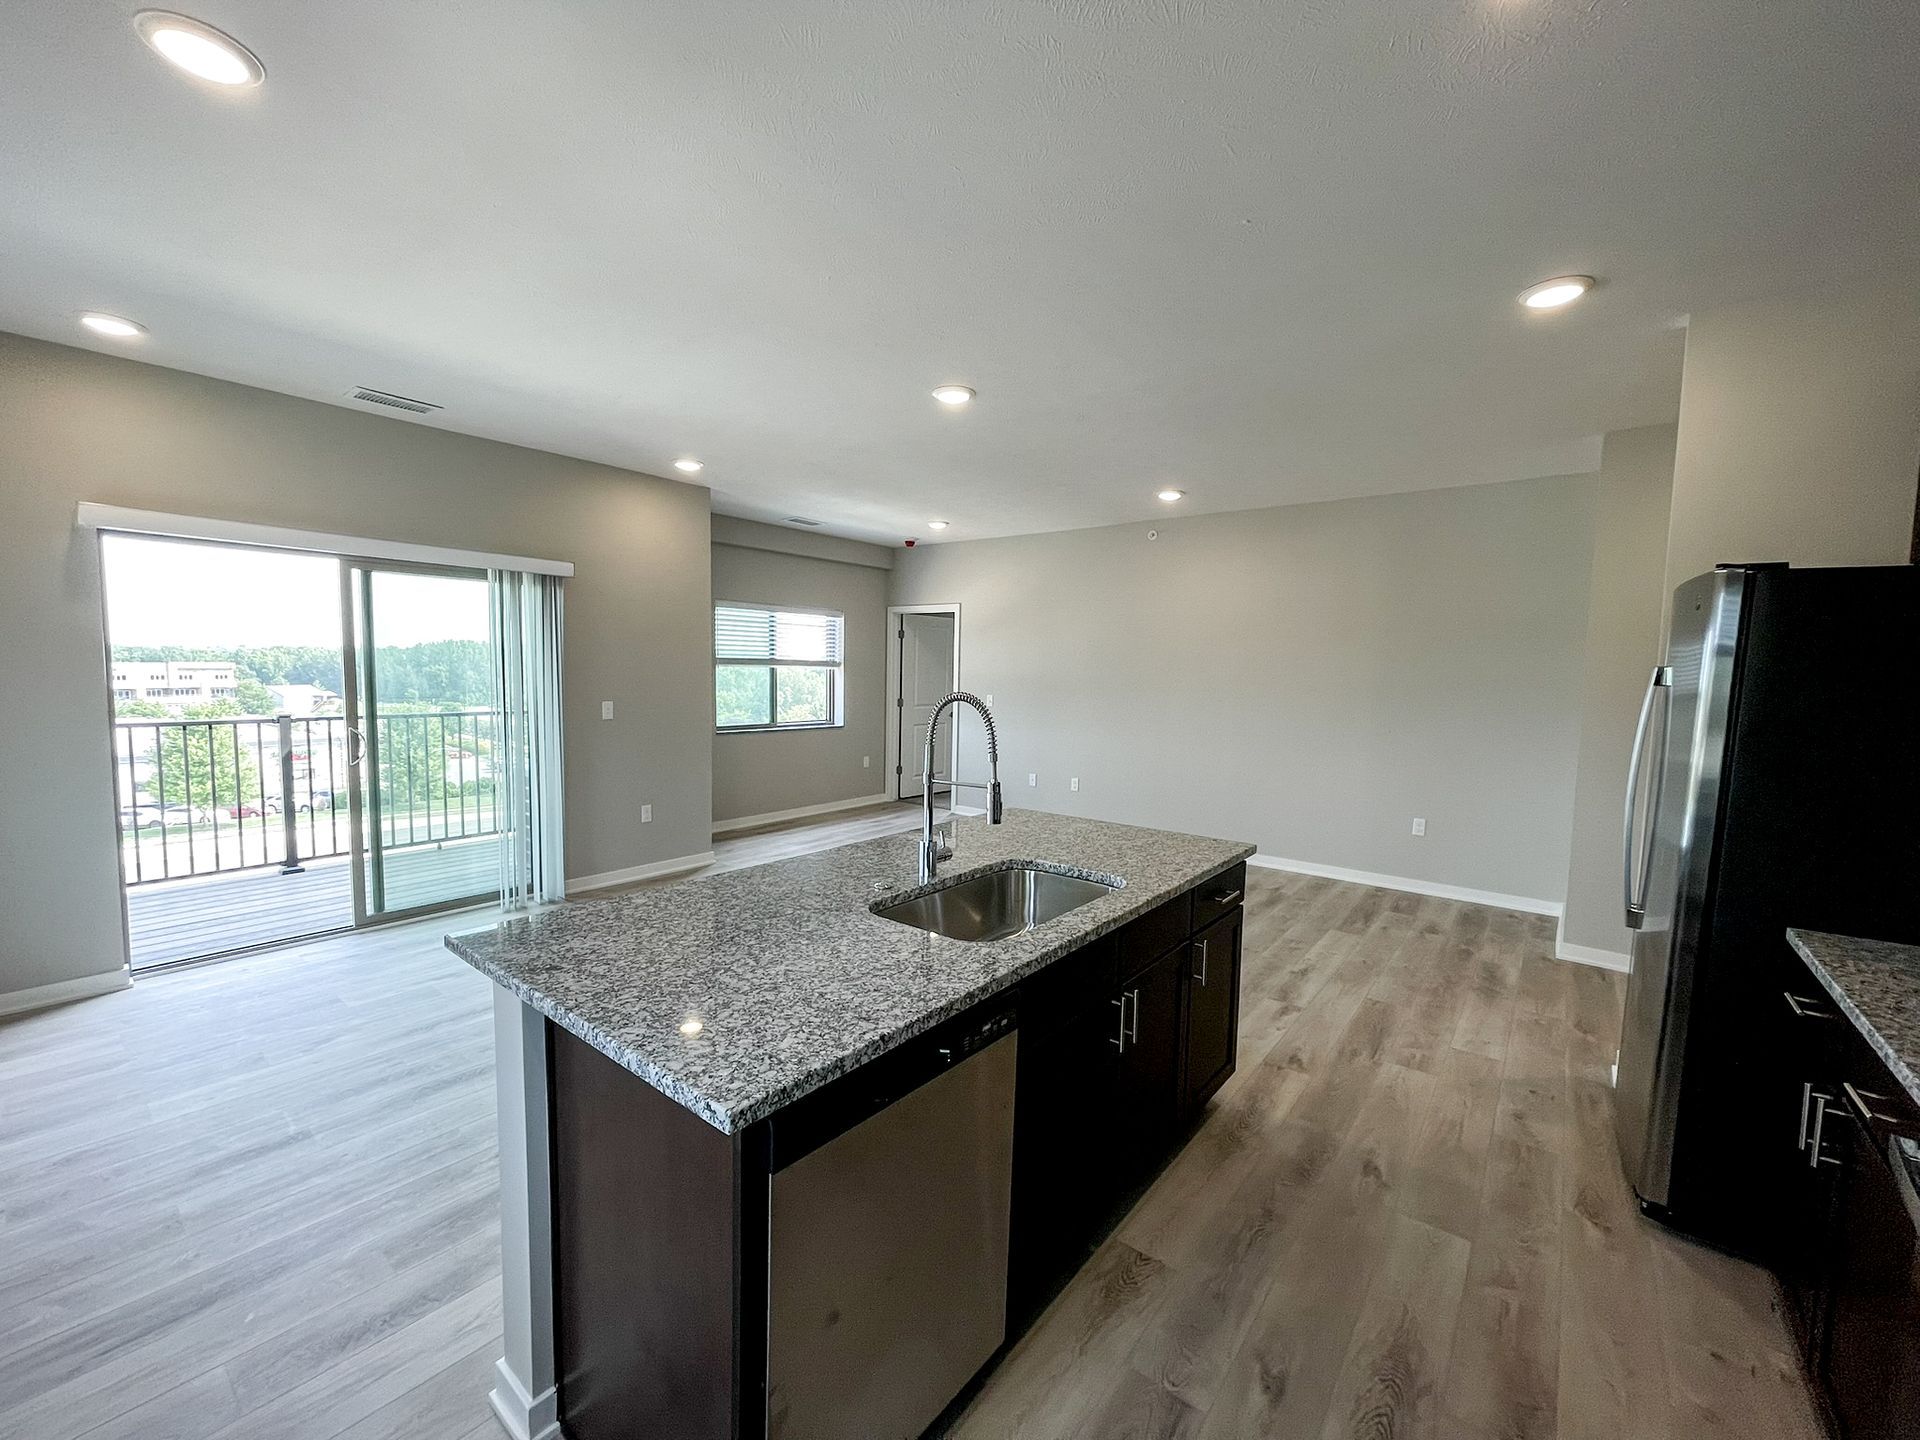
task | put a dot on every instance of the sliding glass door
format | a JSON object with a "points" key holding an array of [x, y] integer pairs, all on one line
{"points": [[424, 738]]}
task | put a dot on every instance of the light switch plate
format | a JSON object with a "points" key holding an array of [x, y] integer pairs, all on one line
{"points": [[606, 709], [646, 814]]}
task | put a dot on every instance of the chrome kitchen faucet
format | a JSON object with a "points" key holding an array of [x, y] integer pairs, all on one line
{"points": [[936, 844]]}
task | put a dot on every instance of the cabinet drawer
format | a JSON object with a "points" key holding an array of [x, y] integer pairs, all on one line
{"points": [[1154, 933], [1214, 898]]}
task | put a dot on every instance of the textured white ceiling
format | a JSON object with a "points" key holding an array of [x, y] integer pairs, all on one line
{"points": [[1263, 251]]}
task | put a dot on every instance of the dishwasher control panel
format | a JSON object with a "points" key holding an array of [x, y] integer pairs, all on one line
{"points": [[975, 1037]]}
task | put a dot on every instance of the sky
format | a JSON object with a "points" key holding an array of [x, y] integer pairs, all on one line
{"points": [[176, 592]]}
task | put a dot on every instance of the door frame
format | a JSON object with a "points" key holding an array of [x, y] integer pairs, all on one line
{"points": [[893, 696], [362, 827]]}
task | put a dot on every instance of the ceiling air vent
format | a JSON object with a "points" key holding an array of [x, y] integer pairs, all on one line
{"points": [[393, 402], [801, 520]]}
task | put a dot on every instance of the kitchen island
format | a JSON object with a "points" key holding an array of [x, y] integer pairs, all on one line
{"points": [[677, 1062]]}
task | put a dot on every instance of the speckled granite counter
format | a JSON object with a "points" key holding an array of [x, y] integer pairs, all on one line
{"points": [[792, 979], [1877, 985]]}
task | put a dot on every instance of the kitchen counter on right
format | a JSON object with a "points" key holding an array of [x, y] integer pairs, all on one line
{"points": [[1876, 984]]}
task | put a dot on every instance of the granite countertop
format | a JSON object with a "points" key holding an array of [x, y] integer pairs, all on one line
{"points": [[791, 978], [1877, 984]]}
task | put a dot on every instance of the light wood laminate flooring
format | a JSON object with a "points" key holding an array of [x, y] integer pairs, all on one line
{"points": [[257, 1199]]}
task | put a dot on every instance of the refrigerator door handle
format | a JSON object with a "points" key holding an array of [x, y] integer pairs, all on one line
{"points": [[1633, 886]]}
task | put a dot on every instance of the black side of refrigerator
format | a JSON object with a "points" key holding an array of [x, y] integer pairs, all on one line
{"points": [[1819, 827]]}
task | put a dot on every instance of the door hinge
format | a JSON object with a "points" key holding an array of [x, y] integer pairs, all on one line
{"points": [[903, 632], [896, 770], [899, 703]]}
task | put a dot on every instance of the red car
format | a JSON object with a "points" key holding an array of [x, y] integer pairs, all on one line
{"points": [[247, 810]]}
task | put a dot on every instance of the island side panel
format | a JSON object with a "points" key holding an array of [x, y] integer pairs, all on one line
{"points": [[646, 1263], [524, 1397]]}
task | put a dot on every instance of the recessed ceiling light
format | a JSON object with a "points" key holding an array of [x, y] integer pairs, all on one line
{"points": [[1172, 495], [953, 395], [689, 464], [114, 325], [936, 524], [1552, 294], [199, 49], [691, 1027]]}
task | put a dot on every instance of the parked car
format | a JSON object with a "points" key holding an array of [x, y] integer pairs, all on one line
{"points": [[141, 817], [184, 814], [319, 800], [247, 810]]}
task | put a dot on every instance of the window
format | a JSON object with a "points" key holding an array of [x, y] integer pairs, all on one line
{"points": [[776, 669]]}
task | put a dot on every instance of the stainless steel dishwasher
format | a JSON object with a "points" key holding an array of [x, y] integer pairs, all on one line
{"points": [[887, 1227]]}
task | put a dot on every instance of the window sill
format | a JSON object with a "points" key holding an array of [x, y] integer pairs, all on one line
{"points": [[777, 729]]}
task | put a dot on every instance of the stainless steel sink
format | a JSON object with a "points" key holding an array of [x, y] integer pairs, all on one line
{"points": [[995, 905]]}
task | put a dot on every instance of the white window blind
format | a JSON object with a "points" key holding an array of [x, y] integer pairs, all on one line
{"points": [[775, 637]]}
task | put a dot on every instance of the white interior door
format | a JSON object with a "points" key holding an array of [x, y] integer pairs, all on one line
{"points": [[926, 678]]}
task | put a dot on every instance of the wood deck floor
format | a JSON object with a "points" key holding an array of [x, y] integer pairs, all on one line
{"points": [[258, 1199], [171, 920]]}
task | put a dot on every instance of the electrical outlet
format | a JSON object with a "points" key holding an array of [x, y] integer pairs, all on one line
{"points": [[606, 709], [646, 814], [1420, 825], [1032, 779], [866, 762], [1074, 783]]}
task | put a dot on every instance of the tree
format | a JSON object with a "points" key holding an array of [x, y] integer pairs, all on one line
{"points": [[202, 765], [253, 697]]}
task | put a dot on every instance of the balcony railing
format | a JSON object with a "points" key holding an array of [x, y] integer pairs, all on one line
{"points": [[200, 797]]}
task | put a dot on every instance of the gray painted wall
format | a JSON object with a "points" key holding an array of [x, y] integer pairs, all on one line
{"points": [[79, 426], [771, 771], [1625, 639], [1308, 678], [1799, 432]]}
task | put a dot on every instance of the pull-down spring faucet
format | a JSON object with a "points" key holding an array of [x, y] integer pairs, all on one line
{"points": [[934, 848]]}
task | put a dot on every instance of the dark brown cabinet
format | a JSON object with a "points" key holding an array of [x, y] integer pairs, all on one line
{"points": [[1121, 1043], [1147, 1097], [1063, 1170], [1841, 1179], [1872, 1360], [1213, 1009]]}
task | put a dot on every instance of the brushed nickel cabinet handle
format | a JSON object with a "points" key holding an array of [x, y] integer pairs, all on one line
{"points": [[1122, 1041], [1201, 973], [1226, 897], [1806, 1009], [1133, 1031], [1861, 1100]]}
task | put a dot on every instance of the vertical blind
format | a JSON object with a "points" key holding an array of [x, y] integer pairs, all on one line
{"points": [[747, 635]]}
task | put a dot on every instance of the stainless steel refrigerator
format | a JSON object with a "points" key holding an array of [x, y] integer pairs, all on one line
{"points": [[1773, 783]]}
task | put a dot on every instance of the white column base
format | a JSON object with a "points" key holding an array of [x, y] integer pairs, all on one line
{"points": [[525, 1399], [524, 1416]]}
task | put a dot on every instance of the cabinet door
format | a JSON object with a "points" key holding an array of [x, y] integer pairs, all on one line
{"points": [[1213, 1010], [1148, 1101], [1064, 1177], [1799, 1194], [1873, 1341]]}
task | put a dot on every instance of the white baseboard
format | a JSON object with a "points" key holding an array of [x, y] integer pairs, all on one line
{"points": [[774, 817], [1588, 954], [1415, 887], [524, 1416], [632, 873], [63, 992]]}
